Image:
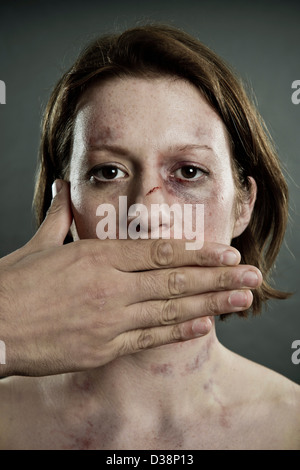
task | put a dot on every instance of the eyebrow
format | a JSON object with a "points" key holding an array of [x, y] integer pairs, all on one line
{"points": [[118, 150], [183, 148]]}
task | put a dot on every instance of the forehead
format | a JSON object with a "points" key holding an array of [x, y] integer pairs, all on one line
{"points": [[157, 110]]}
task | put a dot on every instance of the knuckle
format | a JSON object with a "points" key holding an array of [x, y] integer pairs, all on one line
{"points": [[161, 253], [145, 340], [207, 256], [132, 342], [204, 256], [212, 304], [222, 280], [200, 257], [147, 314], [176, 334], [91, 253], [87, 257], [176, 283], [170, 312]]}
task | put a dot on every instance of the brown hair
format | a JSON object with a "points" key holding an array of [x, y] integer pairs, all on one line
{"points": [[156, 50]]}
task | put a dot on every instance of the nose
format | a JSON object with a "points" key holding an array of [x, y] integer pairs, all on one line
{"points": [[150, 215]]}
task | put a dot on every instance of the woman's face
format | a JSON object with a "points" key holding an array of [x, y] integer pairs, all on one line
{"points": [[154, 141]]}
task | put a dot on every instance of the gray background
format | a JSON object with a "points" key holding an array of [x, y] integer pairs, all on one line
{"points": [[260, 39]]}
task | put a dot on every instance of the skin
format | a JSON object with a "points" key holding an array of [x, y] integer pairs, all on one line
{"points": [[182, 395], [152, 153]]}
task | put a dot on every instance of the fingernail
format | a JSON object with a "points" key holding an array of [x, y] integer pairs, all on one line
{"points": [[229, 258], [56, 187], [250, 279], [238, 299]]}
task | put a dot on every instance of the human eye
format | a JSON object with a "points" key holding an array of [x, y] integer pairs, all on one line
{"points": [[105, 173], [188, 172]]}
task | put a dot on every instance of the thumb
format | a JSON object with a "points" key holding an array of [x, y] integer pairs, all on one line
{"points": [[56, 225]]}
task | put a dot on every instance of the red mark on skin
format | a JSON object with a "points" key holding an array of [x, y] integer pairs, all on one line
{"points": [[224, 412], [196, 364], [161, 369], [152, 190], [85, 441], [200, 359], [84, 385]]}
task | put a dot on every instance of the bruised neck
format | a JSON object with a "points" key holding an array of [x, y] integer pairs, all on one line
{"points": [[156, 377]]}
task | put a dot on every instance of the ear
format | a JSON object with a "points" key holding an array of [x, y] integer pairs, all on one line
{"points": [[245, 210]]}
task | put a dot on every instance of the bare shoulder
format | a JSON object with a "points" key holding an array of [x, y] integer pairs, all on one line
{"points": [[284, 396], [273, 403], [283, 406]]}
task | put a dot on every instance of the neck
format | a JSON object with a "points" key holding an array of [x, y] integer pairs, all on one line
{"points": [[156, 379]]}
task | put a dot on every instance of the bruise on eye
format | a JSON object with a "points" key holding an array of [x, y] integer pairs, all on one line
{"points": [[152, 190]]}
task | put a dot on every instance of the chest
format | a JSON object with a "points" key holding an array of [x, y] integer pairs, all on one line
{"points": [[224, 429]]}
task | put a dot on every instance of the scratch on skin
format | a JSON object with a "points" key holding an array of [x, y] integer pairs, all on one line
{"points": [[152, 190], [224, 414], [83, 385], [196, 364], [199, 360], [82, 442]]}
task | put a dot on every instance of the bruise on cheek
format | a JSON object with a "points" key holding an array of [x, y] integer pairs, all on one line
{"points": [[186, 195]]}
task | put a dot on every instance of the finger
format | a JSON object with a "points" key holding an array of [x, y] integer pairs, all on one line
{"points": [[56, 225], [171, 283], [141, 255], [175, 311], [141, 339]]}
